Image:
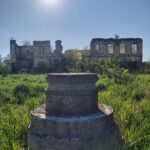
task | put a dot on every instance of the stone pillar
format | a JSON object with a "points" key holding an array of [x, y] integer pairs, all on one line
{"points": [[71, 118], [71, 94]]}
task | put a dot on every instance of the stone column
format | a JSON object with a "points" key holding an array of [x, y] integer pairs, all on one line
{"points": [[71, 94], [71, 118]]}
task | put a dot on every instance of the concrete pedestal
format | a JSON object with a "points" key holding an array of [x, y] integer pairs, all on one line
{"points": [[78, 123], [89, 132]]}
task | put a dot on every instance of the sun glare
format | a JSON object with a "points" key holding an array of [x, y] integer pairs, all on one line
{"points": [[52, 3], [52, 6]]}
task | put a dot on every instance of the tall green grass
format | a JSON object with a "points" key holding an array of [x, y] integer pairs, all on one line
{"points": [[131, 104], [130, 101], [19, 94]]}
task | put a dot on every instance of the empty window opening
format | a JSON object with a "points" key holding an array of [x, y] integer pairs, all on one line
{"points": [[134, 48], [98, 49], [122, 49], [41, 51], [110, 49]]}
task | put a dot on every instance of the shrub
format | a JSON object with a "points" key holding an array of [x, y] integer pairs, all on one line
{"points": [[103, 83], [21, 92], [138, 94], [5, 69]]}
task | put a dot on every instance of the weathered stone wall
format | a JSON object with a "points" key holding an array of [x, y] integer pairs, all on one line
{"points": [[22, 55], [99, 49], [31, 56], [20, 52], [41, 52], [76, 95], [25, 52]]}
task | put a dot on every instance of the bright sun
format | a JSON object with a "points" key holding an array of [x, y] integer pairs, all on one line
{"points": [[52, 3], [53, 6]]}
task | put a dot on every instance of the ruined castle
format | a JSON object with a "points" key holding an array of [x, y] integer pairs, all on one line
{"points": [[129, 51], [30, 56]]}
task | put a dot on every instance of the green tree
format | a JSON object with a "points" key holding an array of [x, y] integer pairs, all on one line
{"points": [[146, 67], [74, 58], [110, 67], [5, 66], [5, 69]]}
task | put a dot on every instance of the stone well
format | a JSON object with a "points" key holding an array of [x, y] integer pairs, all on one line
{"points": [[72, 118]]}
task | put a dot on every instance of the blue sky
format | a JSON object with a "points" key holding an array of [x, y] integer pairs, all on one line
{"points": [[75, 22]]}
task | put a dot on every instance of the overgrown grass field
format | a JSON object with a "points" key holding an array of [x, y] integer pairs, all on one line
{"points": [[19, 94], [131, 104]]}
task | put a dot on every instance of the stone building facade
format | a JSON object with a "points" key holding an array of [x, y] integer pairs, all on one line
{"points": [[128, 50], [30, 56]]}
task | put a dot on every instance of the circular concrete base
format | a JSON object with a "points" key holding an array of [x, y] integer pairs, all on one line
{"points": [[89, 132]]}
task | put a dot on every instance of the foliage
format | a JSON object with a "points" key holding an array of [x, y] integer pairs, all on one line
{"points": [[110, 68], [129, 97], [5, 69], [60, 66], [14, 115], [131, 106], [13, 127], [21, 92], [5, 65], [74, 59], [146, 67]]}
